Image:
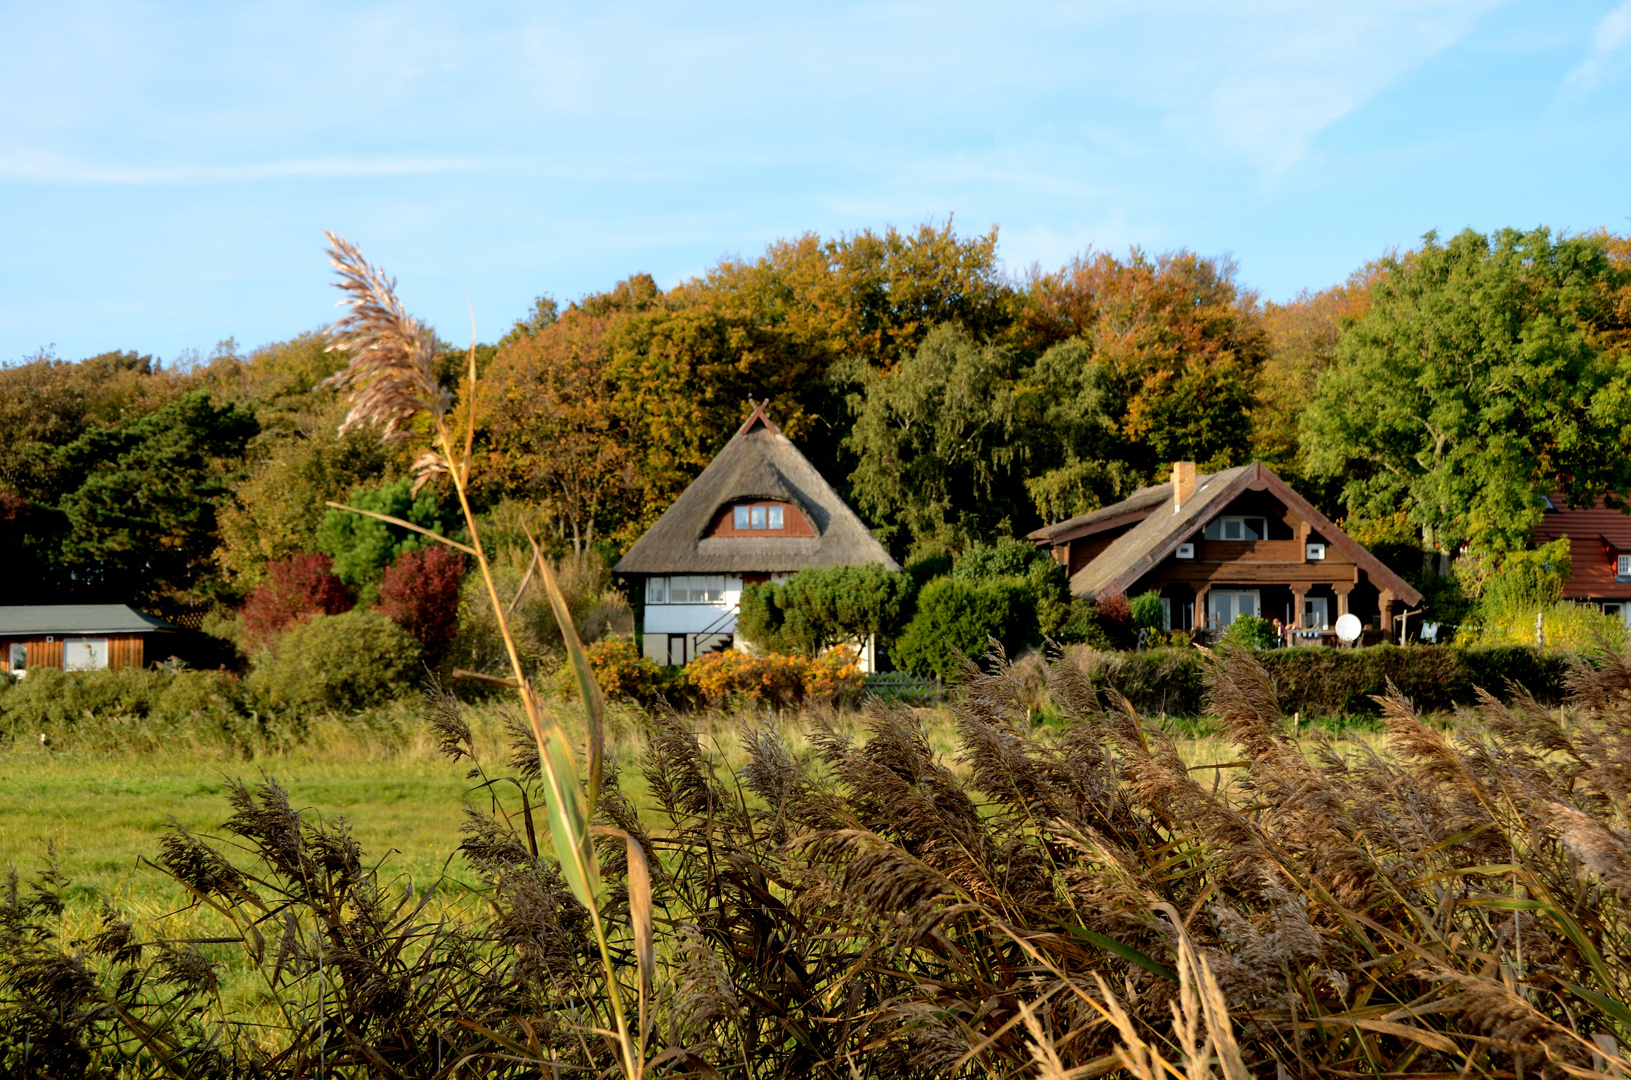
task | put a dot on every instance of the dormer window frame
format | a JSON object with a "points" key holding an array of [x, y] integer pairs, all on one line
{"points": [[763, 517], [1622, 566], [1239, 525]]}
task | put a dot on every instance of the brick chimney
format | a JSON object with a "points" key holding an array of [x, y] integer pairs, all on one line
{"points": [[1183, 483]]}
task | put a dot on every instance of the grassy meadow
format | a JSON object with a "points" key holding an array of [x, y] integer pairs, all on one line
{"points": [[97, 809]]}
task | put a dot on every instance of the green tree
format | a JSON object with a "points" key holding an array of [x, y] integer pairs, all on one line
{"points": [[137, 516], [817, 608], [942, 443], [958, 617], [1018, 561], [1477, 383], [362, 547]]}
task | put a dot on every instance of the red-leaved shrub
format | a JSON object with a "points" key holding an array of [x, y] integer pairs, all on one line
{"points": [[295, 589], [420, 593]]}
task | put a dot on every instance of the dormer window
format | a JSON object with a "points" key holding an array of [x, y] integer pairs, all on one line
{"points": [[1622, 566], [748, 518], [761, 517]]}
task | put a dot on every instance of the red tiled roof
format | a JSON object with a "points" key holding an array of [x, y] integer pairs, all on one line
{"points": [[1597, 535]]}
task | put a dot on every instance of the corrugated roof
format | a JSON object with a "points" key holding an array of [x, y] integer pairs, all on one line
{"points": [[758, 463], [77, 619]]}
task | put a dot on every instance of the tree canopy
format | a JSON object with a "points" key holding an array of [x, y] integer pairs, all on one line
{"points": [[1487, 373]]}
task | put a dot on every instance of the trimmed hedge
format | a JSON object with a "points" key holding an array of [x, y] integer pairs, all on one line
{"points": [[1336, 682]]}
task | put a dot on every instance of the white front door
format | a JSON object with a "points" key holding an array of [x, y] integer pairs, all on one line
{"points": [[1228, 605], [84, 653]]}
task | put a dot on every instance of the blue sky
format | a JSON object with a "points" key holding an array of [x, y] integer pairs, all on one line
{"points": [[166, 168]]}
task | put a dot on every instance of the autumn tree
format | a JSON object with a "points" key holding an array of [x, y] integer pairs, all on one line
{"points": [[420, 593], [1147, 360], [553, 431], [1488, 372], [294, 589]]}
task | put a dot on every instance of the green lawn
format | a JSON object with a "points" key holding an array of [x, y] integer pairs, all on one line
{"points": [[102, 813]]}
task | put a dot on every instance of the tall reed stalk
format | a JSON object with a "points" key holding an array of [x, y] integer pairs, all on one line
{"points": [[392, 387]]}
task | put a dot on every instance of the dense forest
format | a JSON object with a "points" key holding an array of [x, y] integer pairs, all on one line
{"points": [[1429, 401]]}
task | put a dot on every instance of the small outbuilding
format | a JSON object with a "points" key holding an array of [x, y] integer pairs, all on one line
{"points": [[80, 637], [759, 512], [1221, 545]]}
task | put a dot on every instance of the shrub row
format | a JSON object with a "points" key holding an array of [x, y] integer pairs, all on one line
{"points": [[1336, 682]]}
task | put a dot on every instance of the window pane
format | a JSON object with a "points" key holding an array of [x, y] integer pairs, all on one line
{"points": [[1231, 529], [1247, 604], [1624, 565], [656, 590], [679, 590], [741, 517], [713, 590], [775, 517], [1256, 529], [758, 517]]}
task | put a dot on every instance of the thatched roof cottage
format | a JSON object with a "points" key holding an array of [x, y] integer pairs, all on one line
{"points": [[759, 512]]}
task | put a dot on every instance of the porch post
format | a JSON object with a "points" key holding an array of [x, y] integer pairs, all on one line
{"points": [[1299, 594], [1201, 620], [1342, 591], [1387, 613]]}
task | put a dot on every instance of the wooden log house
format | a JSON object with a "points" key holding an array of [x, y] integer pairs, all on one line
{"points": [[1232, 543]]}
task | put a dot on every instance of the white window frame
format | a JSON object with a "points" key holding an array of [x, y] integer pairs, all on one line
{"points": [[1622, 566], [1324, 603], [656, 590], [1239, 522], [1166, 613], [85, 654]]}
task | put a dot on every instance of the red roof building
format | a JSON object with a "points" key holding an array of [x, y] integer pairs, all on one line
{"points": [[1599, 550]]}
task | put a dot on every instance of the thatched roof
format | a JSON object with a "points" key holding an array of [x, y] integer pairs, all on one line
{"points": [[1139, 551], [758, 463]]}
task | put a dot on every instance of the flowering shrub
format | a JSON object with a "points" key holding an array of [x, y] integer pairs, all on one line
{"points": [[731, 673], [295, 589], [779, 680], [835, 675], [621, 671], [420, 593]]}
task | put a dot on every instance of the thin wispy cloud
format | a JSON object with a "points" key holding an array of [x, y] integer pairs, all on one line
{"points": [[1609, 54], [47, 169], [522, 146]]}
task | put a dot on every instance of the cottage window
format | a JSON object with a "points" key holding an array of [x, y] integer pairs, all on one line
{"points": [[1238, 528], [84, 654], [696, 589], [656, 590], [1622, 566], [755, 517], [19, 656]]}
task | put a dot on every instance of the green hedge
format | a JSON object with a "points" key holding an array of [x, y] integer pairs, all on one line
{"points": [[1337, 682]]}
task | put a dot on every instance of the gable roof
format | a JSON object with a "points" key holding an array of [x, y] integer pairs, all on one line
{"points": [[1154, 539], [77, 619], [1141, 502], [758, 463]]}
